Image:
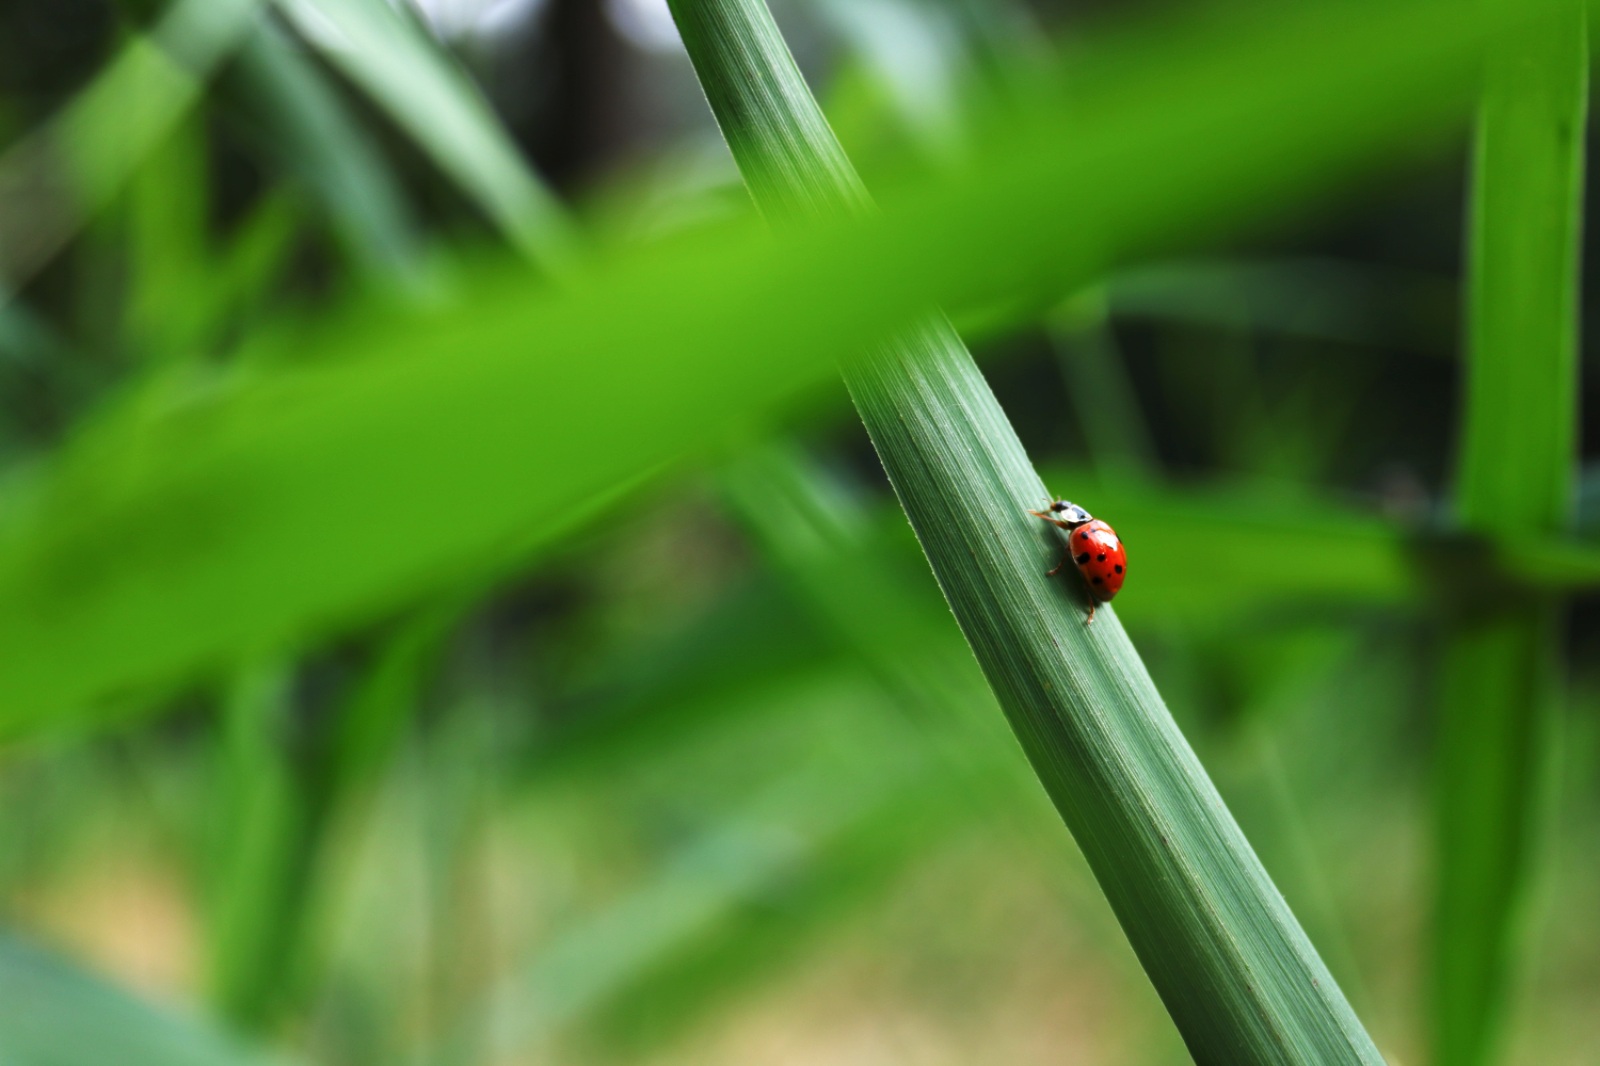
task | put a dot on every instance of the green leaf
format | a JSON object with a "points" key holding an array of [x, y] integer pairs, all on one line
{"points": [[1314, 298], [258, 850], [357, 463], [168, 206], [1101, 391], [1283, 549], [1499, 672], [58, 1015], [61, 174], [404, 72], [1239, 977], [1519, 439], [291, 106]]}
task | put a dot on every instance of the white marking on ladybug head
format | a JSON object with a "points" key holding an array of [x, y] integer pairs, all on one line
{"points": [[1070, 512]]}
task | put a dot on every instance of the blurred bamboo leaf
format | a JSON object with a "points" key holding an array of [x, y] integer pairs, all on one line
{"points": [[58, 1015], [284, 785], [861, 581], [258, 824], [385, 52], [832, 557], [1100, 389], [303, 122], [1314, 298], [810, 798], [1306, 549], [1518, 444], [169, 205], [636, 803], [35, 355], [1559, 564], [257, 254], [1290, 547], [786, 919], [60, 175], [401, 448], [1518, 463]]}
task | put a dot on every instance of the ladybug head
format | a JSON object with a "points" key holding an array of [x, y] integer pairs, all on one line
{"points": [[1070, 513]]}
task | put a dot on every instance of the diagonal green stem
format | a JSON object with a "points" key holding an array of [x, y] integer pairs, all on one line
{"points": [[1238, 975]]}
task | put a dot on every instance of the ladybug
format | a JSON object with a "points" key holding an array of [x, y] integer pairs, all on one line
{"points": [[1093, 547]]}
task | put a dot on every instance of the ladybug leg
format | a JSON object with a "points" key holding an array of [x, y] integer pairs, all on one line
{"points": [[1062, 565]]}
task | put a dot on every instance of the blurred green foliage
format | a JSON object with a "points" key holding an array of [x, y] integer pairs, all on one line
{"points": [[1500, 672], [441, 625]]}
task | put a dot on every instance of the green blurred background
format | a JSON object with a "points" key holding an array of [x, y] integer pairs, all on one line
{"points": [[703, 772]]}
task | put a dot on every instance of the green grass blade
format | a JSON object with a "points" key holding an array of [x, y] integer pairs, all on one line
{"points": [[58, 1015], [281, 791], [1310, 551], [1239, 977], [782, 819], [169, 199], [382, 453], [1320, 299], [862, 581], [1496, 690], [388, 55], [259, 823], [1519, 442], [257, 254], [291, 105], [1101, 390], [59, 176], [1500, 671]]}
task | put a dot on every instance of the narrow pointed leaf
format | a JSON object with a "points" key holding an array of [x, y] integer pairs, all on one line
{"points": [[1238, 975]]}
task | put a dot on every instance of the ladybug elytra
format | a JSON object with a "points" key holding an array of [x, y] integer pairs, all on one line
{"points": [[1093, 547]]}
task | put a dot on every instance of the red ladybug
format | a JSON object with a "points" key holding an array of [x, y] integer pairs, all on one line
{"points": [[1093, 547]]}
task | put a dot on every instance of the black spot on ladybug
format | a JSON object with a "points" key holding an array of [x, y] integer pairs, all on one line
{"points": [[1083, 558], [1083, 536], [1119, 568], [1099, 581], [1100, 558]]}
